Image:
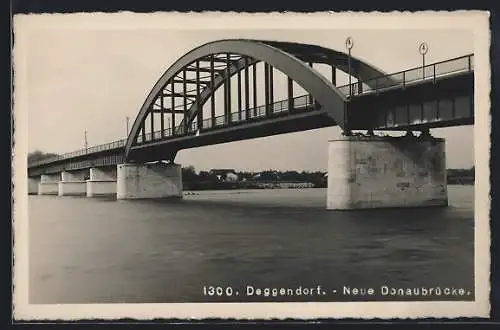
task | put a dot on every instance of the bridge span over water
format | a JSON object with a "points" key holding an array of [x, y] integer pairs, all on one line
{"points": [[180, 112]]}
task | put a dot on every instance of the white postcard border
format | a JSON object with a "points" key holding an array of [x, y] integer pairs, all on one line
{"points": [[476, 21]]}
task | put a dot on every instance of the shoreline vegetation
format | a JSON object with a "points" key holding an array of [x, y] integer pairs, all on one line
{"points": [[460, 176], [231, 179]]}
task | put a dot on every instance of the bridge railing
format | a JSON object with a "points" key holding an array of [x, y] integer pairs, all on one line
{"points": [[401, 79], [98, 148], [299, 103]]}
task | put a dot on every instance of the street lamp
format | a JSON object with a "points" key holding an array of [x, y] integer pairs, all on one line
{"points": [[86, 144], [422, 49], [349, 43]]}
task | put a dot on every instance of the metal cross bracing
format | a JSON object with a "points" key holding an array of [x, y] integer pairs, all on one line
{"points": [[181, 110]]}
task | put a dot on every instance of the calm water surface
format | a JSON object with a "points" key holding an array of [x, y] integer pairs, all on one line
{"points": [[106, 251]]}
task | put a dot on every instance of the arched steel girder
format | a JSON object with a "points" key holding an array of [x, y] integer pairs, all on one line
{"points": [[318, 54], [291, 62]]}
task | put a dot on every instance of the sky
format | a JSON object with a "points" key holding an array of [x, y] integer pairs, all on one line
{"points": [[90, 79]]}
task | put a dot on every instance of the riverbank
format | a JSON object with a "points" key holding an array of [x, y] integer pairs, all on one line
{"points": [[461, 180], [249, 185], [201, 186]]}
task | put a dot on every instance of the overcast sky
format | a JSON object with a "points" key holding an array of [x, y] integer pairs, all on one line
{"points": [[92, 79]]}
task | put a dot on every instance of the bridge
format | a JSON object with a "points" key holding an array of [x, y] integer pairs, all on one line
{"points": [[180, 112]]}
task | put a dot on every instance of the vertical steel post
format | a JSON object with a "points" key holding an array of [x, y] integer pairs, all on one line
{"points": [[423, 48], [199, 119], [86, 144], [212, 86], [228, 88], [152, 119], [334, 75], [172, 99], [290, 94], [266, 87], [184, 91], [423, 66], [162, 115], [350, 78], [311, 99], [349, 44], [247, 94], [239, 94], [271, 87], [254, 89]]}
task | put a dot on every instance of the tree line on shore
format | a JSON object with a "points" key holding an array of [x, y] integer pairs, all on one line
{"points": [[248, 179], [460, 175], [38, 155], [317, 178]]}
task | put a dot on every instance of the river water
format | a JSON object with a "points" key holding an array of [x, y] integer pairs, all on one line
{"points": [[106, 251]]}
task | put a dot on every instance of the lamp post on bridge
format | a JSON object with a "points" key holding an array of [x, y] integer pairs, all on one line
{"points": [[349, 43], [423, 48], [86, 144]]}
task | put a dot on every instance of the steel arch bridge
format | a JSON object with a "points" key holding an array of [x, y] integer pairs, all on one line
{"points": [[192, 81], [439, 94]]}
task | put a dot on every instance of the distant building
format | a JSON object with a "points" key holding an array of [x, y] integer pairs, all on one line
{"points": [[225, 174], [221, 171], [231, 176], [256, 176], [266, 176]]}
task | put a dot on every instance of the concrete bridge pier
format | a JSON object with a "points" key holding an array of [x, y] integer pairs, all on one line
{"points": [[379, 172], [150, 180], [102, 182], [33, 185], [72, 183], [49, 184]]}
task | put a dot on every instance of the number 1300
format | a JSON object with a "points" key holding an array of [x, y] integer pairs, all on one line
{"points": [[217, 291]]}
